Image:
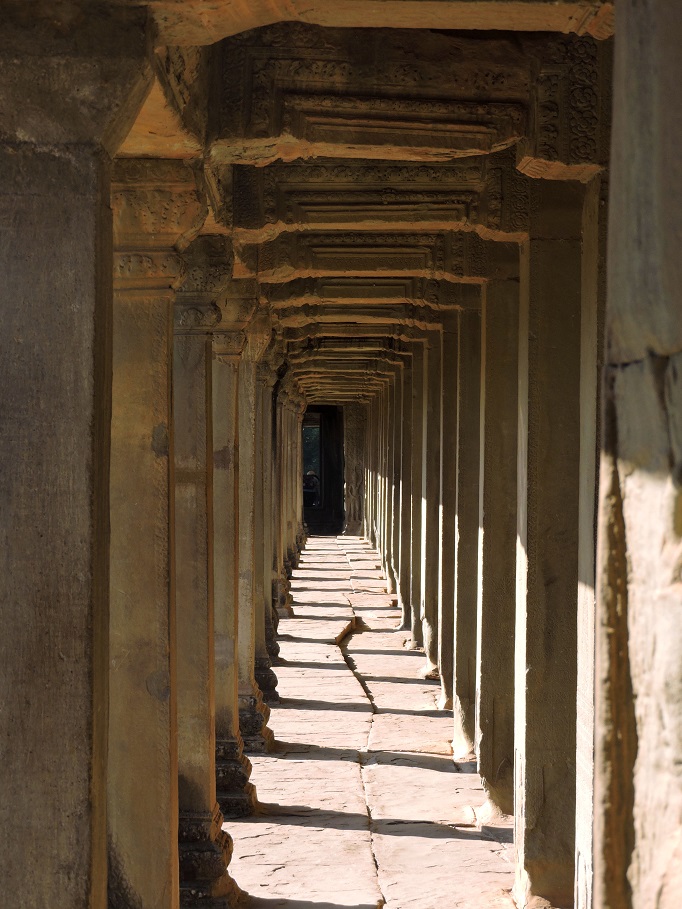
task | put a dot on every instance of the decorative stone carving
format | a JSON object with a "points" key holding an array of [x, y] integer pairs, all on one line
{"points": [[157, 208], [384, 94], [570, 109]]}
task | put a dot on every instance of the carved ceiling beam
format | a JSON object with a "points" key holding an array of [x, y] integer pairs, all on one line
{"points": [[484, 193], [440, 256], [196, 22], [349, 292], [292, 91]]}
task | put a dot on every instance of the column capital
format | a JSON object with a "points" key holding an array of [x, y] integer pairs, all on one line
{"points": [[157, 208], [228, 346], [258, 335], [208, 267]]}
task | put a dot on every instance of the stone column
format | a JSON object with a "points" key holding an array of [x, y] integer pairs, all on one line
{"points": [[156, 204], [235, 794], [269, 378], [494, 729], [281, 592], [265, 677], [387, 510], [468, 443], [354, 434], [638, 788], [418, 416], [369, 471], [547, 545], [448, 548], [301, 535], [396, 431], [60, 126], [431, 500], [253, 713], [204, 849], [404, 580]]}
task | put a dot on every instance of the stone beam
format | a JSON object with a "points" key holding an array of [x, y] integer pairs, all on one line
{"points": [[294, 91], [197, 22], [485, 193], [440, 256], [350, 291]]}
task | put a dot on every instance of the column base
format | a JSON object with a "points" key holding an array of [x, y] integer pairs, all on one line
{"points": [[236, 796], [266, 679], [205, 851], [282, 597], [253, 719]]}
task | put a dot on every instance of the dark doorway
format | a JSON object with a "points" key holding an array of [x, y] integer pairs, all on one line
{"points": [[323, 469]]}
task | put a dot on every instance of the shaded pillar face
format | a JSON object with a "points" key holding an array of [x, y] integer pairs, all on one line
{"points": [[56, 366], [265, 677], [431, 500], [468, 444], [447, 563], [204, 848], [142, 753], [253, 713], [418, 406], [497, 543], [547, 546], [638, 791], [354, 444], [405, 512], [396, 444], [234, 793]]}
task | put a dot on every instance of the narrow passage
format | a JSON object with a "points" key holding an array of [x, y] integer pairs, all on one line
{"points": [[361, 804]]}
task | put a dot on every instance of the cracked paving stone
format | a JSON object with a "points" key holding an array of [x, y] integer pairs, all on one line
{"points": [[360, 803]]}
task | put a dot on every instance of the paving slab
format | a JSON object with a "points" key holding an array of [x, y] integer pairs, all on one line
{"points": [[360, 803]]}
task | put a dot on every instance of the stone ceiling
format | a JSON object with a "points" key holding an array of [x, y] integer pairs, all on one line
{"points": [[365, 184]]}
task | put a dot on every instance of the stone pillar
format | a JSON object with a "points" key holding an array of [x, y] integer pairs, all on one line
{"points": [[387, 509], [431, 500], [204, 849], [468, 444], [281, 589], [638, 785], [59, 130], [269, 378], [236, 796], [354, 431], [370, 471], [253, 713], [448, 548], [265, 677], [405, 570], [418, 417], [156, 205], [494, 729], [547, 545], [396, 432], [301, 534]]}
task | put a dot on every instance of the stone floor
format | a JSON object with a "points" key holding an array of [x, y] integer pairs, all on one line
{"points": [[361, 804]]}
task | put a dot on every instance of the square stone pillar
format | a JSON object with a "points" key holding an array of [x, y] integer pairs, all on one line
{"points": [[466, 535], [253, 713], [431, 498], [204, 849], [494, 729], [404, 581], [354, 445], [265, 677], [418, 436], [236, 796], [156, 205], [68, 98], [547, 545], [448, 548], [397, 447]]}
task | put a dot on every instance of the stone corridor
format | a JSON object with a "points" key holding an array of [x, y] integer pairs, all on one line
{"points": [[361, 797]]}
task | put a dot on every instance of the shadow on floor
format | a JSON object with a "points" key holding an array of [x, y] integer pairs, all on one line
{"points": [[303, 751], [260, 902]]}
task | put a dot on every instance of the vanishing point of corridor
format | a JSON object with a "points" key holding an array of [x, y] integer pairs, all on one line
{"points": [[361, 799]]}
